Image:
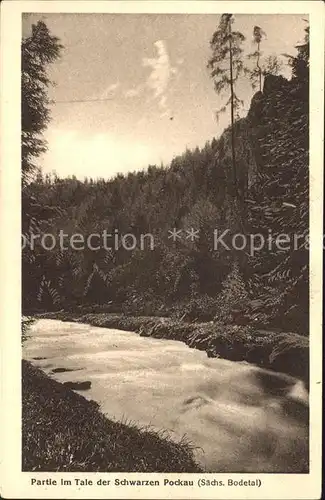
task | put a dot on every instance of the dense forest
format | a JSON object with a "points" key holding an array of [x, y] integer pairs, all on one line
{"points": [[267, 193]]}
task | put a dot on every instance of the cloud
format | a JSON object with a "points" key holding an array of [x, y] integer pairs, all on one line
{"points": [[161, 73], [110, 90], [134, 92], [165, 111], [163, 102]]}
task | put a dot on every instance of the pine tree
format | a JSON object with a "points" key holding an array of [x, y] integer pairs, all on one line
{"points": [[272, 65], [300, 62], [256, 73], [37, 51], [232, 295], [227, 66]]}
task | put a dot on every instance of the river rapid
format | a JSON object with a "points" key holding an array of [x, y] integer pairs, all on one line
{"points": [[241, 418]]}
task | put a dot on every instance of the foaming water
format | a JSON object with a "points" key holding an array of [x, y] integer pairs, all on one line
{"points": [[241, 418]]}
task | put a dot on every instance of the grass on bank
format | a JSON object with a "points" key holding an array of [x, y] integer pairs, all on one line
{"points": [[64, 432]]}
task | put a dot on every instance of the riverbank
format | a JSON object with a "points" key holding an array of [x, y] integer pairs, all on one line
{"points": [[64, 432], [280, 351]]}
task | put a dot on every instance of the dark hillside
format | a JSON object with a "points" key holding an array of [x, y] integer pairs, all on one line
{"points": [[186, 277]]}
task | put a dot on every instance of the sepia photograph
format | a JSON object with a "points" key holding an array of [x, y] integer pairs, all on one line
{"points": [[165, 248]]}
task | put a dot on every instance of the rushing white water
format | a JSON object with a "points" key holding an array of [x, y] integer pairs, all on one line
{"points": [[242, 418]]}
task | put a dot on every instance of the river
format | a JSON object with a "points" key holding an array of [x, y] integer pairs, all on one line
{"points": [[240, 418]]}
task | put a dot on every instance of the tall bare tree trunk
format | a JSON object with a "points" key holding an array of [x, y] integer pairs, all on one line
{"points": [[258, 66]]}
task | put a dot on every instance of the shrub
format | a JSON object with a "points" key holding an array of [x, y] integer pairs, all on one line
{"points": [[26, 321], [199, 308], [232, 299]]}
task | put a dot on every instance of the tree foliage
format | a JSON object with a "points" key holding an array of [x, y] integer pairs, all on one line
{"points": [[38, 51], [233, 294], [256, 73], [227, 66], [300, 62], [272, 65], [281, 198], [226, 62]]}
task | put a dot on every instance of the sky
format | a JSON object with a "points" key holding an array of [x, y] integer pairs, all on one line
{"points": [[147, 79]]}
